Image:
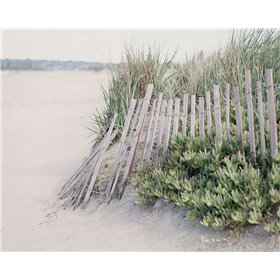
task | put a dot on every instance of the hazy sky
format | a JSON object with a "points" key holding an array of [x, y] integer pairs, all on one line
{"points": [[105, 45]]}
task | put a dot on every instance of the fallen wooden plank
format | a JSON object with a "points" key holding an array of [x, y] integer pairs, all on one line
{"points": [[100, 159]]}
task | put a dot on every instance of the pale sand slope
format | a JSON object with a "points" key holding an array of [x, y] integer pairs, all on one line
{"points": [[44, 142]]}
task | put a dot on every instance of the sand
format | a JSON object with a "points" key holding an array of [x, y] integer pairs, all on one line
{"points": [[44, 141]]}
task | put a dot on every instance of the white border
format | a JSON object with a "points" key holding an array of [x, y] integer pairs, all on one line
{"points": [[139, 14]]}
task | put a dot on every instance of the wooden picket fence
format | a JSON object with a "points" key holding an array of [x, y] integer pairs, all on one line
{"points": [[167, 118]]}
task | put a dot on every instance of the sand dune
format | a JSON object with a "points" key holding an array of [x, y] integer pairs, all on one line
{"points": [[44, 142]]}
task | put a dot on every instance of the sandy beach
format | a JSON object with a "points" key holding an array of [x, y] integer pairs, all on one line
{"points": [[44, 141]]}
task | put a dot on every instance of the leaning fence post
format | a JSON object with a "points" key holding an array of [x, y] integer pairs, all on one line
{"points": [[201, 116], [121, 145], [208, 113], [261, 123], [167, 127], [250, 116], [228, 112], [217, 111], [238, 113], [185, 114], [192, 128], [271, 111], [176, 117]]}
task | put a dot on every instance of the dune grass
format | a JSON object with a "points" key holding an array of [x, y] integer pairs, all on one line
{"points": [[248, 49]]}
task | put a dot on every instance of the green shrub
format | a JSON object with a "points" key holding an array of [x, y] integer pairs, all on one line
{"points": [[214, 182]]}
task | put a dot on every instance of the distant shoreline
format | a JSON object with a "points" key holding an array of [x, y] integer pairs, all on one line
{"points": [[53, 65]]}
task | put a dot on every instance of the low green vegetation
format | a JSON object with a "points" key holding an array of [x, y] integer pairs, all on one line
{"points": [[215, 183]]}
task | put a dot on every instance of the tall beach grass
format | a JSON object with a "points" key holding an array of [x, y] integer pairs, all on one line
{"points": [[248, 49]]}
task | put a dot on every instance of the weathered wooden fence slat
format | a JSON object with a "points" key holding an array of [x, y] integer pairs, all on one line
{"points": [[154, 129], [136, 136], [201, 116], [261, 123], [239, 123], [99, 162], [128, 142], [192, 125], [148, 132], [271, 111], [228, 112], [217, 112], [161, 127], [167, 127], [208, 114], [250, 114], [176, 117], [185, 114], [118, 158]]}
